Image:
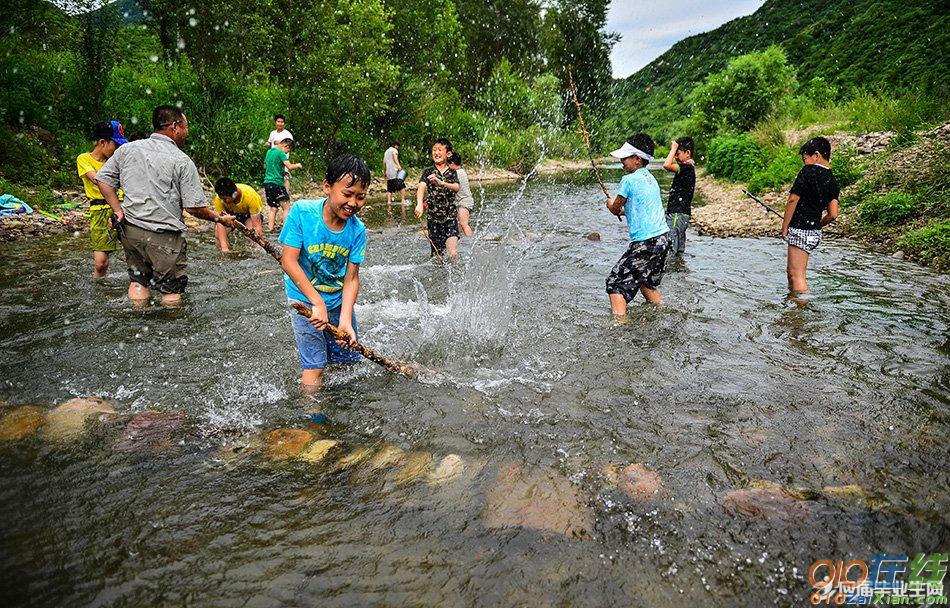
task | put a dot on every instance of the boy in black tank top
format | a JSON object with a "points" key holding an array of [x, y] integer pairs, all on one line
{"points": [[812, 204]]}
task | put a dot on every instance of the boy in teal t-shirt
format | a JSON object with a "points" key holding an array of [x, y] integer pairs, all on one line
{"points": [[276, 162], [640, 268], [324, 244]]}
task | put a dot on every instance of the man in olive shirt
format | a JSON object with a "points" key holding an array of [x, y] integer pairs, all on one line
{"points": [[159, 181]]}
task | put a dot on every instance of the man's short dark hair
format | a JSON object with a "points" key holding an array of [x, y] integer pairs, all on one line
{"points": [[102, 130], [643, 142], [279, 116], [455, 158], [445, 142], [821, 145], [289, 142], [166, 116], [225, 186], [686, 144], [347, 164], [395, 144]]}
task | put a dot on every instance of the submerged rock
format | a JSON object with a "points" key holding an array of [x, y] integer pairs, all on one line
{"points": [[764, 500], [635, 480], [21, 422], [540, 500], [388, 456], [353, 458], [448, 469], [68, 420], [415, 464], [318, 450], [283, 444], [152, 430]]}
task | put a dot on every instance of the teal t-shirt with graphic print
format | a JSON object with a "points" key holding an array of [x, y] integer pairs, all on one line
{"points": [[323, 253], [644, 206]]}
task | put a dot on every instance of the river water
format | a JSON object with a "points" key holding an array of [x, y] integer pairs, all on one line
{"points": [[727, 383]]}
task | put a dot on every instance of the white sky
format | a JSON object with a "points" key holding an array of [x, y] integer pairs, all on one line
{"points": [[649, 29]]}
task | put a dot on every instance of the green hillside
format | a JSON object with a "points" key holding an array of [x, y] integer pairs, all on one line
{"points": [[852, 44]]}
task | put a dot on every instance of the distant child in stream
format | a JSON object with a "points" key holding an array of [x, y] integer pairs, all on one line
{"points": [[464, 201], [812, 204], [108, 136], [640, 268], [679, 203], [436, 192], [276, 162], [324, 245]]}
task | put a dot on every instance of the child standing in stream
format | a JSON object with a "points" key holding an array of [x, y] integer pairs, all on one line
{"points": [[812, 204], [640, 268], [108, 136], [324, 245], [679, 203]]}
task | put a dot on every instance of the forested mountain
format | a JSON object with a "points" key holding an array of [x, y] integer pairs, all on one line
{"points": [[879, 44]]}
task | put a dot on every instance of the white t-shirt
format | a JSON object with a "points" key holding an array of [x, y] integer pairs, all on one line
{"points": [[278, 136], [464, 197], [389, 162]]}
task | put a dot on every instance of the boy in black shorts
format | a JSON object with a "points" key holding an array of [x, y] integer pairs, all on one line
{"points": [[437, 188], [815, 192], [275, 162]]}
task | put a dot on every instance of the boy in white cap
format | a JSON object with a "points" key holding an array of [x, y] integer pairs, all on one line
{"points": [[640, 268]]}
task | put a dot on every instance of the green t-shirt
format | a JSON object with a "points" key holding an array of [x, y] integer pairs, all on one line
{"points": [[274, 166]]}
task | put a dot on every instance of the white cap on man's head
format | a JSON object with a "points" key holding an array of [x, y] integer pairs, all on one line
{"points": [[627, 150]]}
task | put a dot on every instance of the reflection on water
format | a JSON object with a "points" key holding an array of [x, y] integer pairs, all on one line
{"points": [[725, 386]]}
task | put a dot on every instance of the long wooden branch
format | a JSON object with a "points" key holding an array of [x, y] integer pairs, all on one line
{"points": [[265, 245]]}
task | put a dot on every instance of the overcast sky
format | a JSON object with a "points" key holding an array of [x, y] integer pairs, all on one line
{"points": [[648, 29]]}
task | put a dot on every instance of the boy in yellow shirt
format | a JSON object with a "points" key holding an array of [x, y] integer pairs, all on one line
{"points": [[240, 201], [108, 135]]}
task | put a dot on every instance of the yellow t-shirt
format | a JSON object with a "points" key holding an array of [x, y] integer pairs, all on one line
{"points": [[85, 163], [250, 203]]}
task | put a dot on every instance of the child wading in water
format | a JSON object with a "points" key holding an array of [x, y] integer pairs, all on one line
{"points": [[108, 136], [640, 268], [679, 204], [276, 162], [814, 193], [324, 245], [437, 189]]}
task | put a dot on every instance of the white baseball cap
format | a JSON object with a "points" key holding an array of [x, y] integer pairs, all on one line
{"points": [[627, 150]]}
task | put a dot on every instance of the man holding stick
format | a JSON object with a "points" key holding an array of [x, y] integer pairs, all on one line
{"points": [[160, 181]]}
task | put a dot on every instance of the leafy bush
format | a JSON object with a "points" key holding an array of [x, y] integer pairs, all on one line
{"points": [[932, 243], [846, 166], [887, 209], [781, 168], [734, 157], [745, 92], [869, 111]]}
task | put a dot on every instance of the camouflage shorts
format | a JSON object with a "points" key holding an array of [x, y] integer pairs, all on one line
{"points": [[640, 265], [102, 235]]}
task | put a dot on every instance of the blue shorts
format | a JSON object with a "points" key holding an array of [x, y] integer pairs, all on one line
{"points": [[318, 349]]}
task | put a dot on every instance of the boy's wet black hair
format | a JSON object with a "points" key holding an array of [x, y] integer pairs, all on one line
{"points": [[225, 186], [280, 116], [643, 142], [455, 158], [102, 130], [816, 144], [347, 164], [289, 142], [445, 142], [166, 116], [686, 144]]}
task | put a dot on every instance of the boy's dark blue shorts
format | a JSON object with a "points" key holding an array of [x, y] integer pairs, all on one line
{"points": [[275, 194]]}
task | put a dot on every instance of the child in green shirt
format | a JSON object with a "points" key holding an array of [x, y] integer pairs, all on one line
{"points": [[276, 161]]}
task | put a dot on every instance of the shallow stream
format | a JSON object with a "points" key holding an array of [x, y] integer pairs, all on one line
{"points": [[727, 383]]}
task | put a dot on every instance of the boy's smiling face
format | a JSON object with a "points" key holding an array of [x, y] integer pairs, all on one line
{"points": [[438, 153], [346, 197]]}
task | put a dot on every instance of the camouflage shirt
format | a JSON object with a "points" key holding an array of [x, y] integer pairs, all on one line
{"points": [[440, 200]]}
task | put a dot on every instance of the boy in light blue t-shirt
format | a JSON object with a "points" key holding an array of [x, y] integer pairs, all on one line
{"points": [[324, 244], [640, 268]]}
